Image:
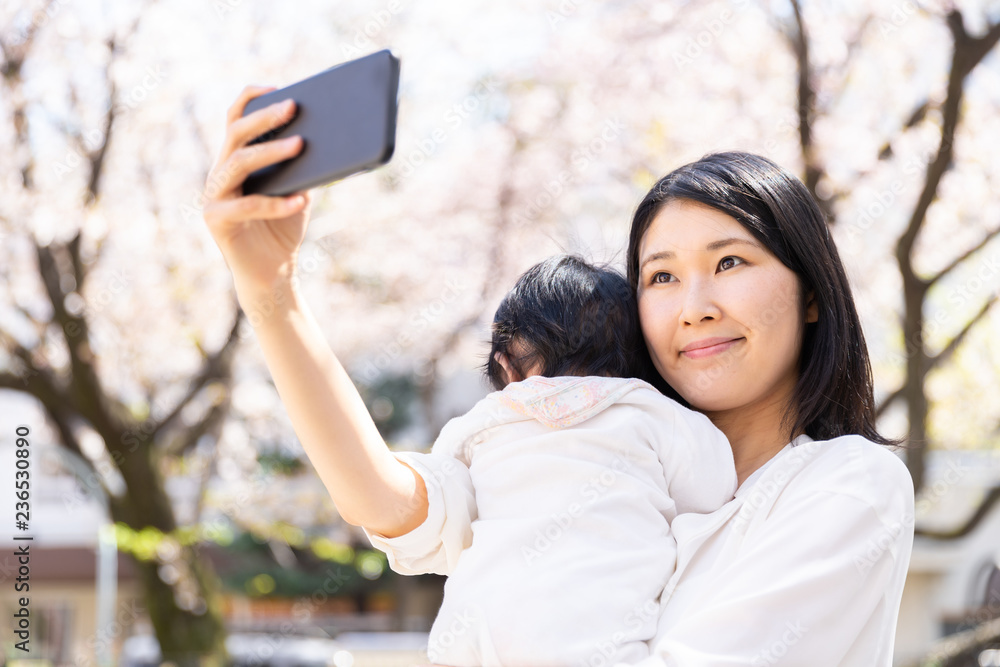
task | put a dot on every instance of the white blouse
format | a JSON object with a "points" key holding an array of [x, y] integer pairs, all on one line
{"points": [[805, 566]]}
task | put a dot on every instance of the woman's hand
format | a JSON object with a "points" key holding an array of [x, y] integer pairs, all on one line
{"points": [[259, 235]]}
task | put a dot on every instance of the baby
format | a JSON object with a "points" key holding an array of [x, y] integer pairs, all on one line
{"points": [[550, 501]]}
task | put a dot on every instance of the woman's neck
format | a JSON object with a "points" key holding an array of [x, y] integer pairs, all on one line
{"points": [[754, 432]]}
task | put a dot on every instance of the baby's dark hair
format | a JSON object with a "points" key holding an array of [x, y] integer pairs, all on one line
{"points": [[568, 317]]}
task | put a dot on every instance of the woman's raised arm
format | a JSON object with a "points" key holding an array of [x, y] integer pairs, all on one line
{"points": [[259, 237]]}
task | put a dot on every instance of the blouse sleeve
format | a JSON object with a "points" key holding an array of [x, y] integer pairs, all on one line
{"points": [[818, 584], [434, 545]]}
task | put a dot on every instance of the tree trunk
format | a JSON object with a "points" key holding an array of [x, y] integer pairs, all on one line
{"points": [[180, 587], [186, 638], [917, 365]]}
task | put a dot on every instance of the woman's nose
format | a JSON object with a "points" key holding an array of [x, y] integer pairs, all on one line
{"points": [[699, 303]]}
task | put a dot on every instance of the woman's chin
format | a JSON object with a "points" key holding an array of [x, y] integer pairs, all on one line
{"points": [[708, 397]]}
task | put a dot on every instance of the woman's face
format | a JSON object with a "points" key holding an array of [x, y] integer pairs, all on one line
{"points": [[722, 317]]}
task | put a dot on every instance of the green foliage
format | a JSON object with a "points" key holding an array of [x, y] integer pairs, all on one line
{"points": [[390, 400], [319, 562], [277, 462]]}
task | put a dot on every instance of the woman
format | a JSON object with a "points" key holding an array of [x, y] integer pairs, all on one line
{"points": [[747, 314]]}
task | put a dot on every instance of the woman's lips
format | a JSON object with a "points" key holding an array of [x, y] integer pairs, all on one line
{"points": [[709, 347]]}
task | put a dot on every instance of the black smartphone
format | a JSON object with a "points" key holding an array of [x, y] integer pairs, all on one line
{"points": [[346, 116]]}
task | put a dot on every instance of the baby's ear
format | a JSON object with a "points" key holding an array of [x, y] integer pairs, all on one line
{"points": [[510, 375]]}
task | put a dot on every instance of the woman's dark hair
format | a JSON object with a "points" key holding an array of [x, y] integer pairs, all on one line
{"points": [[568, 317], [834, 394]]}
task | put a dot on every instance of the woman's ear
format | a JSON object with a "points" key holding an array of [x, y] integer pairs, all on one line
{"points": [[812, 308]]}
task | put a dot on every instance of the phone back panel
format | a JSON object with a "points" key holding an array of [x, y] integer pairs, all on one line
{"points": [[346, 116]]}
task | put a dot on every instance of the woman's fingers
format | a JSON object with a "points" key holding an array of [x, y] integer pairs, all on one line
{"points": [[225, 179], [244, 129], [219, 214], [236, 110]]}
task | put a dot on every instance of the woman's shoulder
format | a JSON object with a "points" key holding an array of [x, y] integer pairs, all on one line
{"points": [[853, 465]]}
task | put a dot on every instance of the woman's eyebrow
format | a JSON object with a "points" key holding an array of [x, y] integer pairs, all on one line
{"points": [[663, 254], [722, 243], [714, 245]]}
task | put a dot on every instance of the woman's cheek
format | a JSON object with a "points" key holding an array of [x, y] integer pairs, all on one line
{"points": [[654, 322], [780, 290]]}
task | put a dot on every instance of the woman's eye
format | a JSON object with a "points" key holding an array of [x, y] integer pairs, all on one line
{"points": [[661, 277], [729, 262]]}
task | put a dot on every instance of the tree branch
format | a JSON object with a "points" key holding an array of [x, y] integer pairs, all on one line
{"points": [[200, 136], [210, 424], [940, 357], [965, 255], [991, 499], [806, 98], [96, 156], [216, 367], [966, 54], [85, 392], [42, 385], [957, 340], [14, 54], [916, 116], [963, 648], [887, 401]]}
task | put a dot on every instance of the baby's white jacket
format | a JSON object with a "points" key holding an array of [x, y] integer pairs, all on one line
{"points": [[569, 486]]}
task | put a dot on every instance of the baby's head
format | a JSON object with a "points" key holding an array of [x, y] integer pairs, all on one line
{"points": [[565, 317]]}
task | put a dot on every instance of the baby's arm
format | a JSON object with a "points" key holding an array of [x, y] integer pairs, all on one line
{"points": [[696, 456]]}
